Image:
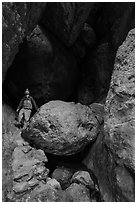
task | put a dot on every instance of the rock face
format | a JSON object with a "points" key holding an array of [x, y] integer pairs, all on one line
{"points": [[28, 168], [120, 118], [18, 20], [28, 171], [9, 133], [23, 166], [47, 68], [67, 19], [62, 128], [112, 156]]}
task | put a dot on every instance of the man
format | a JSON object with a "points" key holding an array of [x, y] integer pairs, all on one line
{"points": [[25, 107]]}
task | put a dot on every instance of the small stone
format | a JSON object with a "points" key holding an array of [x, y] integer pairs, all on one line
{"points": [[54, 183], [63, 176], [84, 178]]}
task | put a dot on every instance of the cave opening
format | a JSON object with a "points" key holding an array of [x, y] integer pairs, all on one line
{"points": [[88, 79]]}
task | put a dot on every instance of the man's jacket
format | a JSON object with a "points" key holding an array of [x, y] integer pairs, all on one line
{"points": [[27, 103]]}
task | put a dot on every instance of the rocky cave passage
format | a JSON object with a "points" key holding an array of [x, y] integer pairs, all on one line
{"points": [[72, 57]]}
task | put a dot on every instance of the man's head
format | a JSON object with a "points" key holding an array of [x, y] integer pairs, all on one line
{"points": [[27, 93]]}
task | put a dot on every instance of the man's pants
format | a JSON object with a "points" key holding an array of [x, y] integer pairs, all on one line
{"points": [[26, 113]]}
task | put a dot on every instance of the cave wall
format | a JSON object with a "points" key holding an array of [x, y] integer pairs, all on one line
{"points": [[18, 20]]}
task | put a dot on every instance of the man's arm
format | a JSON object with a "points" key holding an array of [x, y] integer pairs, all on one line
{"points": [[34, 104], [20, 104]]}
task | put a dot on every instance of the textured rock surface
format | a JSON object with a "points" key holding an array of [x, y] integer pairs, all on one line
{"points": [[43, 193], [96, 74], [98, 161], [29, 171], [23, 167], [18, 19], [77, 193], [84, 178], [62, 128], [98, 110], [63, 176], [67, 19], [120, 115], [112, 156], [9, 136], [28, 167], [46, 67]]}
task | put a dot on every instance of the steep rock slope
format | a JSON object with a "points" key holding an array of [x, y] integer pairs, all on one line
{"points": [[112, 156]]}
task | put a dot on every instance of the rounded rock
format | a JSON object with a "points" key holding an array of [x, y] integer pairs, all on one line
{"points": [[62, 128]]}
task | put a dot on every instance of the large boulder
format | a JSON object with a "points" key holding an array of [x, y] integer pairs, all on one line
{"points": [[62, 128], [112, 157], [18, 19], [67, 19], [45, 67]]}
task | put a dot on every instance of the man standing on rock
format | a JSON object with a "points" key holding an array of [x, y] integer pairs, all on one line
{"points": [[25, 107]]}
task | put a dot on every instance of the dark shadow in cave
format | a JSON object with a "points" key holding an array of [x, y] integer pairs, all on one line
{"points": [[12, 85], [18, 79]]}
